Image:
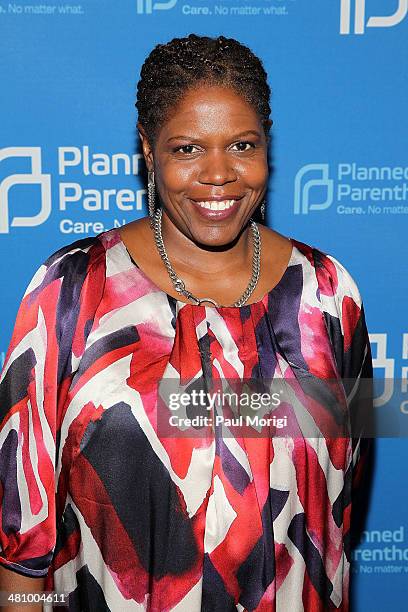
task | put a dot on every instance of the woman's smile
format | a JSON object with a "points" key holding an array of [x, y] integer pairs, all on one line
{"points": [[217, 208]]}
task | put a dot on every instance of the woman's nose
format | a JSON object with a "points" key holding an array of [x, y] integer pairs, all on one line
{"points": [[217, 168]]}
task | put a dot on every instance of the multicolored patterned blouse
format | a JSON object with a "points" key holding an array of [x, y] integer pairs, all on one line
{"points": [[122, 518]]}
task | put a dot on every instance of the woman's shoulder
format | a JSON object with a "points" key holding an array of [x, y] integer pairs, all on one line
{"points": [[83, 253], [334, 279], [340, 302], [91, 249], [73, 264]]}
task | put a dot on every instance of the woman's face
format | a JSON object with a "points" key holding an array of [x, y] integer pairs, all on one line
{"points": [[210, 163]]}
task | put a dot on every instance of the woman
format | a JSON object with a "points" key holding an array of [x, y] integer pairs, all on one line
{"points": [[99, 501]]}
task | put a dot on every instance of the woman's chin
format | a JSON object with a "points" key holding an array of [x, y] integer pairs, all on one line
{"points": [[215, 239], [209, 233]]}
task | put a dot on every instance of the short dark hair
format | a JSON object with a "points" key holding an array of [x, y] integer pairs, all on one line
{"points": [[171, 69]]}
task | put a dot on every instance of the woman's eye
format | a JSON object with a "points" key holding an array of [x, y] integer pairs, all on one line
{"points": [[185, 149], [190, 149], [244, 146]]}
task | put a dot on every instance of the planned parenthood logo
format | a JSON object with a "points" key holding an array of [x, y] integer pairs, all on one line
{"points": [[353, 188], [390, 383], [388, 369], [148, 6], [35, 177], [318, 177], [74, 192], [348, 25]]}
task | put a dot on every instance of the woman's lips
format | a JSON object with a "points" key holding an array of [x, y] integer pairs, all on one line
{"points": [[216, 209]]}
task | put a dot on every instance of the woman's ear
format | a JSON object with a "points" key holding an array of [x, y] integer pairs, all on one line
{"points": [[146, 147]]}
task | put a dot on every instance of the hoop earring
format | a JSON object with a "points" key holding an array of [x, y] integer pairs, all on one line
{"points": [[151, 195], [262, 210]]}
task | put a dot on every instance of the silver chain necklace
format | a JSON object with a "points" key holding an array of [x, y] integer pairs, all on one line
{"points": [[178, 283]]}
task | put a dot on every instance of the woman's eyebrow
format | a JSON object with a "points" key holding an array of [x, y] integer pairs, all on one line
{"points": [[192, 137]]}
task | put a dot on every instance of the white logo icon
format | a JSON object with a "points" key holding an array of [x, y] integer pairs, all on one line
{"points": [[147, 6], [34, 178], [302, 203], [380, 360], [360, 22]]}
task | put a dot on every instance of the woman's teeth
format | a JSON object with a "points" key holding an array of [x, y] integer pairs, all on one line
{"points": [[216, 205]]}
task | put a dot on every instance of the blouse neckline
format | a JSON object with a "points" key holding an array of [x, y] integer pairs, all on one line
{"points": [[174, 300]]}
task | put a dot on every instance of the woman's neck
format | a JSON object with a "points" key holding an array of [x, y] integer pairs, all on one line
{"points": [[187, 255]]}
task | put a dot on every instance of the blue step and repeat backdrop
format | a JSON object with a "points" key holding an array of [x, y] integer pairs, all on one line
{"points": [[338, 71]]}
